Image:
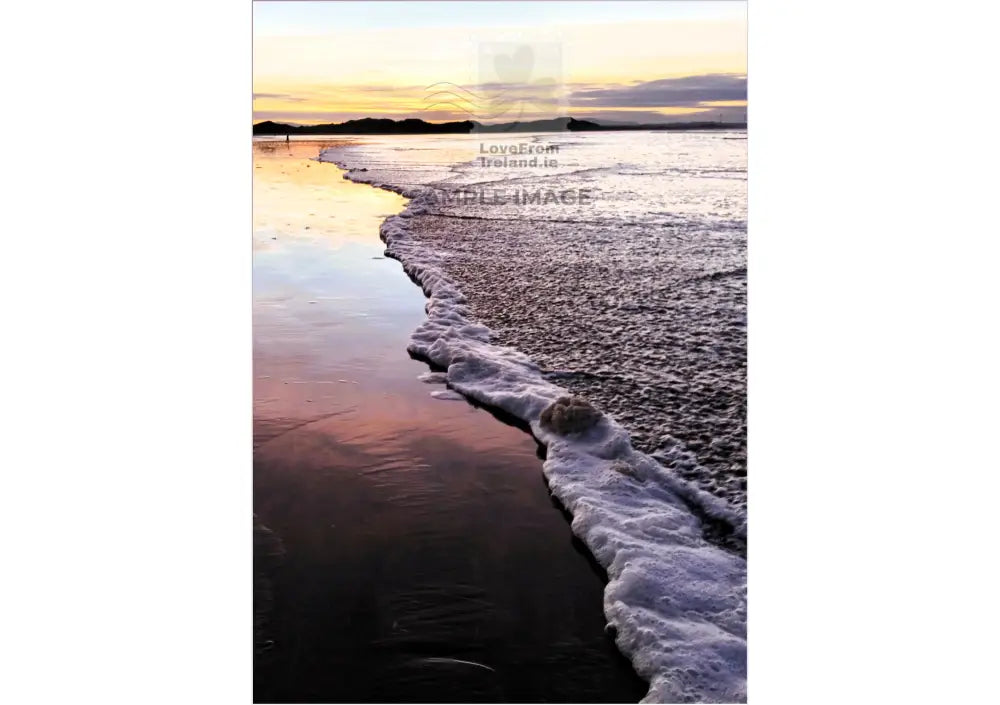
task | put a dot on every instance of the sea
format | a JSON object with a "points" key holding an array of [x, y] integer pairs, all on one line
{"points": [[607, 267], [615, 260]]}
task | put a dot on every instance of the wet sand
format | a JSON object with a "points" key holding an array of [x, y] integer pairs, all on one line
{"points": [[407, 549]]}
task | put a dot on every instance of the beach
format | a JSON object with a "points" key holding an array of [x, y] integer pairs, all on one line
{"points": [[408, 549]]}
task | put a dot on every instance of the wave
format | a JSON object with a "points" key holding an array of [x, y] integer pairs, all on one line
{"points": [[675, 601]]}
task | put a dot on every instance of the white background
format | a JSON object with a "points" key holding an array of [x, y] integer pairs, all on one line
{"points": [[126, 359]]}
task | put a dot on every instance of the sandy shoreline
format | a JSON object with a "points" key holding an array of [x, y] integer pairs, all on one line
{"points": [[422, 556]]}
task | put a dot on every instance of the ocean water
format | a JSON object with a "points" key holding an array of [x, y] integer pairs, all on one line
{"points": [[617, 261], [610, 266]]}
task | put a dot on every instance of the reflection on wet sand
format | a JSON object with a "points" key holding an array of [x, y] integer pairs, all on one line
{"points": [[421, 556]]}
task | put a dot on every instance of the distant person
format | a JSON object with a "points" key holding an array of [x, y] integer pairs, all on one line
{"points": [[287, 139]]}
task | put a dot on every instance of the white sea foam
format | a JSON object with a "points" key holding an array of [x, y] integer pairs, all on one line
{"points": [[433, 378], [676, 601]]}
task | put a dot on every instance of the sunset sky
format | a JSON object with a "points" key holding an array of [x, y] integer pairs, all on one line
{"points": [[497, 61]]}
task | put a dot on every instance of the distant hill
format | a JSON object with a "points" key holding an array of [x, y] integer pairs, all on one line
{"points": [[365, 126], [551, 125], [413, 126]]}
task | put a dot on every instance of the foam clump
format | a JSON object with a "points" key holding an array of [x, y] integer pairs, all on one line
{"points": [[569, 415], [623, 467]]}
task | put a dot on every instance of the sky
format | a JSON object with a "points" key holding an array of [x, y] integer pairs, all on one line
{"points": [[652, 61]]}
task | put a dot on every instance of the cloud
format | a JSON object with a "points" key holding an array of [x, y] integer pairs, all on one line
{"points": [[650, 117], [278, 96], [305, 117], [716, 96], [686, 92]]}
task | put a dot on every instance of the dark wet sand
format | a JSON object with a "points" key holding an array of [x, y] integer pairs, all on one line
{"points": [[411, 551]]}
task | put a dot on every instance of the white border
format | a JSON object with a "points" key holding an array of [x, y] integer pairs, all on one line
{"points": [[125, 285]]}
